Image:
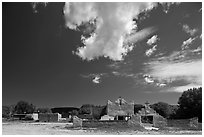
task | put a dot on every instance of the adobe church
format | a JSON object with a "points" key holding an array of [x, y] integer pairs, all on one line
{"points": [[122, 110], [119, 110]]}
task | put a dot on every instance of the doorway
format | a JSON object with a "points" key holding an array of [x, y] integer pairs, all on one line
{"points": [[147, 119]]}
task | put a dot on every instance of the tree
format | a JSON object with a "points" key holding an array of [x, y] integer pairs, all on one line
{"points": [[137, 107], [162, 108], [190, 104], [98, 111], [44, 110], [23, 107], [95, 111], [74, 112], [85, 109], [5, 111]]}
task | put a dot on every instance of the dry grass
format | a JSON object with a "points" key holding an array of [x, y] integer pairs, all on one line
{"points": [[38, 128]]}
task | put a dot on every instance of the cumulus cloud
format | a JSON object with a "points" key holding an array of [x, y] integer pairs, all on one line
{"points": [[152, 40], [149, 52], [188, 30], [114, 25], [186, 43]]}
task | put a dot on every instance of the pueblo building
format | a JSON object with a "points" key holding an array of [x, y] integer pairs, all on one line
{"points": [[119, 110]]}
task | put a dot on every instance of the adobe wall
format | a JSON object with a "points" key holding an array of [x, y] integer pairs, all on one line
{"points": [[183, 123], [49, 117], [124, 109], [105, 123], [159, 121]]}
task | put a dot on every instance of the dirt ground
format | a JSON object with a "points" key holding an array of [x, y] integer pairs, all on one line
{"points": [[38, 128]]}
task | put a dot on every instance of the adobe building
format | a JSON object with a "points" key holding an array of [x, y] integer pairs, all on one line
{"points": [[49, 117], [148, 117], [119, 110], [124, 111]]}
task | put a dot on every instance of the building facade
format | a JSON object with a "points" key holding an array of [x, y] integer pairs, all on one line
{"points": [[120, 109]]}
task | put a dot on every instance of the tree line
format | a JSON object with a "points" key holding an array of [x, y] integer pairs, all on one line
{"points": [[189, 105]]}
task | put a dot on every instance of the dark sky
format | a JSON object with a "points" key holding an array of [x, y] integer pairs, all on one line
{"points": [[38, 64]]}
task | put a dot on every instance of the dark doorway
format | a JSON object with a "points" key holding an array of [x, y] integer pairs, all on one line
{"points": [[121, 118], [147, 119]]}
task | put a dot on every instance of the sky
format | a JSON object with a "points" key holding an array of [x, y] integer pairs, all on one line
{"points": [[69, 54]]}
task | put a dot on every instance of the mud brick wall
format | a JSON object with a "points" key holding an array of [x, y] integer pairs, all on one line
{"points": [[159, 121], [183, 123], [50, 117], [97, 123], [124, 109], [134, 120], [77, 122]]}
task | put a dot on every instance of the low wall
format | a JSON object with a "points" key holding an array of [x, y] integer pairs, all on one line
{"points": [[104, 123], [159, 121], [49, 117], [183, 123]]}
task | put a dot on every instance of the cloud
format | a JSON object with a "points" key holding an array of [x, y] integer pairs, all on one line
{"points": [[190, 71], [167, 5], [186, 43], [96, 79], [148, 80], [152, 40], [35, 5], [115, 29], [188, 30], [140, 35], [184, 88], [149, 52], [161, 84]]}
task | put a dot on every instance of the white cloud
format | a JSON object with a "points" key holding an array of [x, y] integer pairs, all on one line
{"points": [[184, 88], [190, 71], [188, 30], [149, 52], [35, 4], [96, 79], [114, 24], [152, 40], [139, 35], [197, 50], [148, 79], [161, 84], [167, 5], [186, 43]]}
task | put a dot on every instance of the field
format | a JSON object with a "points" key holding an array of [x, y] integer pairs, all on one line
{"points": [[38, 128]]}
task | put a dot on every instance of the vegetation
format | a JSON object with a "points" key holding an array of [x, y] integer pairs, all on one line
{"points": [[6, 111], [189, 106], [164, 109], [137, 107], [23, 107], [44, 110], [95, 111]]}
